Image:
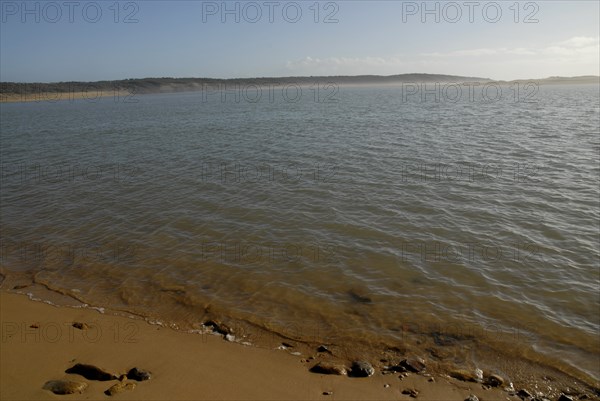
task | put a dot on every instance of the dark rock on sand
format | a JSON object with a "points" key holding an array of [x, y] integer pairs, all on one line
{"points": [[325, 368], [323, 348], [415, 365], [219, 327], [361, 369], [63, 387], [411, 392], [463, 375], [91, 372], [138, 374], [119, 388], [81, 326]]}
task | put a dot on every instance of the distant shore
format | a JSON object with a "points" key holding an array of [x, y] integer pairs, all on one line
{"points": [[11, 92]]}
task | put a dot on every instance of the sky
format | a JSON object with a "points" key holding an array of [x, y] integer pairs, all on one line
{"points": [[52, 41]]}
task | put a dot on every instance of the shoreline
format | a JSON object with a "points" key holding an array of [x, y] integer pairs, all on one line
{"points": [[195, 365]]}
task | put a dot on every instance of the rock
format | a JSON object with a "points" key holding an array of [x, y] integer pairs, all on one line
{"points": [[287, 345], [564, 397], [20, 286], [119, 388], [327, 392], [81, 326], [325, 368], [219, 327], [361, 369], [463, 375], [356, 297], [411, 392], [138, 374], [62, 387], [386, 385], [34, 326], [523, 394], [230, 338], [472, 397], [494, 381], [415, 365], [91, 372], [323, 348]]}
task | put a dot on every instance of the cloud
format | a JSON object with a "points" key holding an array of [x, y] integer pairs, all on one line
{"points": [[573, 56]]}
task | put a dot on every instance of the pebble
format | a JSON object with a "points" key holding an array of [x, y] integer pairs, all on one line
{"points": [[91, 372], [386, 385], [229, 337], [62, 387], [119, 388], [323, 348], [411, 392], [328, 369], [463, 375], [81, 326], [361, 369], [327, 392], [138, 374]]}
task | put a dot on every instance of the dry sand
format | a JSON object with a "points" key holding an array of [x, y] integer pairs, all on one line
{"points": [[184, 366]]}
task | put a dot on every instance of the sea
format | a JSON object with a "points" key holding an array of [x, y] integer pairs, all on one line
{"points": [[425, 217]]}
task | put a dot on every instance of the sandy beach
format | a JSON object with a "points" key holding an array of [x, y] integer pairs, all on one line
{"points": [[39, 343]]}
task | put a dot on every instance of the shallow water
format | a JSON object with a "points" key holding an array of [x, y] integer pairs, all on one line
{"points": [[363, 215]]}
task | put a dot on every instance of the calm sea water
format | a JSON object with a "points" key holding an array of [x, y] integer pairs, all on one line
{"points": [[365, 213]]}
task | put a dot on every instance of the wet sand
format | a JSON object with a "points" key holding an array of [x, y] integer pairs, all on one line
{"points": [[39, 343]]}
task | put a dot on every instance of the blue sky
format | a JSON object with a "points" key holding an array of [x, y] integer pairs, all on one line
{"points": [[190, 39]]}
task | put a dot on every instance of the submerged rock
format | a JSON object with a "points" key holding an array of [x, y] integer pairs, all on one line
{"points": [[138, 374], [325, 368], [494, 380], [415, 365], [91, 372], [63, 387], [360, 298], [523, 394], [119, 388], [361, 369]]}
